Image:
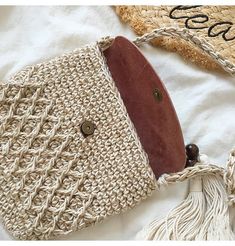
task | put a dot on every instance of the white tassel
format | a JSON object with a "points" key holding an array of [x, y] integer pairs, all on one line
{"points": [[216, 224], [203, 215], [183, 222]]}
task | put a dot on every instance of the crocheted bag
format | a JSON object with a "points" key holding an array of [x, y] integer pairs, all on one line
{"points": [[54, 178]]}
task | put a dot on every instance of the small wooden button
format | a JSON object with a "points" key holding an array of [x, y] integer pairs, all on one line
{"points": [[87, 128]]}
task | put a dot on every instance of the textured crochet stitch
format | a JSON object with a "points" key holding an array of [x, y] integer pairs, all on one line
{"points": [[53, 180]]}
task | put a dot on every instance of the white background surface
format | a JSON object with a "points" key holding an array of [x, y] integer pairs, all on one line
{"points": [[204, 101]]}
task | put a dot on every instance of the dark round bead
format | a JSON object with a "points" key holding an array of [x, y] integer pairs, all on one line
{"points": [[192, 151]]}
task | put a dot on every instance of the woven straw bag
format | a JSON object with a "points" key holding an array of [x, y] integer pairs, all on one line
{"points": [[214, 24], [69, 154]]}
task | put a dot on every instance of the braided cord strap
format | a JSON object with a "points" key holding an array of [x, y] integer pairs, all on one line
{"points": [[190, 172], [187, 36], [105, 42], [229, 177], [227, 174]]}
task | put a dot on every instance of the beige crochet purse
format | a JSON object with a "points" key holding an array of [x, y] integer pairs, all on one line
{"points": [[54, 177]]}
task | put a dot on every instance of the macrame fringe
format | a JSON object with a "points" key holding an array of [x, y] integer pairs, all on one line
{"points": [[216, 224], [203, 215], [183, 222]]}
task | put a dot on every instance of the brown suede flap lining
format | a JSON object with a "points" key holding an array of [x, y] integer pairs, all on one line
{"points": [[148, 105]]}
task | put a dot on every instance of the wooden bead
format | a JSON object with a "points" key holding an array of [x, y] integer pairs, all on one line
{"points": [[192, 151]]}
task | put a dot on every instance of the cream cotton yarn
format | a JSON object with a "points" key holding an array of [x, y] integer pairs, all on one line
{"points": [[54, 180]]}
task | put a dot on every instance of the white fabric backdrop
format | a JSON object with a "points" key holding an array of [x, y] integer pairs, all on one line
{"points": [[204, 101]]}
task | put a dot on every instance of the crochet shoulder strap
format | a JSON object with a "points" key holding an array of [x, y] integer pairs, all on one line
{"points": [[187, 36]]}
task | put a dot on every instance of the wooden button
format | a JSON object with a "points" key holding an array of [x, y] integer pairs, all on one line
{"points": [[87, 128]]}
